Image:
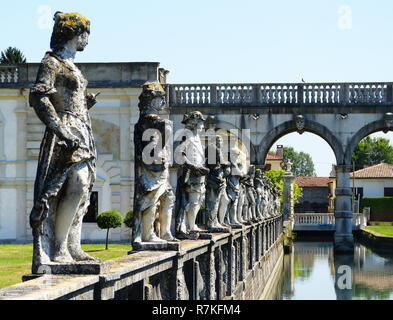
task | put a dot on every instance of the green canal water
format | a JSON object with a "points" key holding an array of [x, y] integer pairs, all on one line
{"points": [[312, 272]]}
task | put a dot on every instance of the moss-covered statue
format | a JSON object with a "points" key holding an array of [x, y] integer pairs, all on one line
{"points": [[67, 159], [217, 200], [191, 183], [153, 192]]}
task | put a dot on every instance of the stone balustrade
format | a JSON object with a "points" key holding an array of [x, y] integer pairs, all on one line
{"points": [[236, 265], [267, 94], [9, 74], [325, 221]]}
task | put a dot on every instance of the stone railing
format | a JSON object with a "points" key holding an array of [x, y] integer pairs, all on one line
{"points": [[236, 265], [133, 74], [284, 93], [314, 218], [9, 74], [322, 221]]}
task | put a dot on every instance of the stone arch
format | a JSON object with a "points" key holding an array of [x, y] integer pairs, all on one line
{"points": [[220, 124], [368, 129], [289, 127]]}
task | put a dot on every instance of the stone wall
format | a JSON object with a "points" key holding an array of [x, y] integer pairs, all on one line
{"points": [[236, 265]]}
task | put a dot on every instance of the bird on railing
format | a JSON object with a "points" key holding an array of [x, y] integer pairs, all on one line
{"points": [[303, 80]]}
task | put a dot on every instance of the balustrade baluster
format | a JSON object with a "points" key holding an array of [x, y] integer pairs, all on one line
{"points": [[337, 95], [274, 94], [319, 94], [306, 94], [282, 95]]}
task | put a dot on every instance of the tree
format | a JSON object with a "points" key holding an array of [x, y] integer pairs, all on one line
{"points": [[107, 220], [302, 164], [371, 151], [12, 56], [276, 177]]}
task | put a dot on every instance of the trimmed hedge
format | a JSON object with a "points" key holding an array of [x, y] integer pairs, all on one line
{"points": [[381, 208]]}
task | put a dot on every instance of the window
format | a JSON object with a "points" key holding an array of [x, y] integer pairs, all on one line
{"points": [[92, 210], [388, 192]]}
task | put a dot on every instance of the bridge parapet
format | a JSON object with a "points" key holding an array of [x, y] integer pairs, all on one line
{"points": [[183, 95]]}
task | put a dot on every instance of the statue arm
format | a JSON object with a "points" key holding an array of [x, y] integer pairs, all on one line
{"points": [[195, 169]]}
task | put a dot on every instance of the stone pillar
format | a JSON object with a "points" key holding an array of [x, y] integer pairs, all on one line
{"points": [[252, 247], [231, 266], [343, 237], [288, 204], [243, 256]]}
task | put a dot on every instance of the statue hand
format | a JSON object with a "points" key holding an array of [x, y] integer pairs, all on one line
{"points": [[68, 140]]}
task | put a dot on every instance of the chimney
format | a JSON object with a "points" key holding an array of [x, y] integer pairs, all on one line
{"points": [[280, 151]]}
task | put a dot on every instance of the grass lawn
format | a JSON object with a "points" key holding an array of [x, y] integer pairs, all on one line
{"points": [[382, 230], [15, 259]]}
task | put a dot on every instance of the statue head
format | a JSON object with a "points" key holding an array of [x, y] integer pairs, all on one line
{"points": [[219, 141], [194, 120], [67, 27], [258, 173], [152, 97], [300, 123], [388, 122], [251, 171]]}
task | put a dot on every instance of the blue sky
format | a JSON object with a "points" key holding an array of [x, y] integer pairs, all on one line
{"points": [[225, 41]]}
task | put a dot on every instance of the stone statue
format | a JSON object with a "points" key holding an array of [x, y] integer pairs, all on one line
{"points": [[191, 183], [250, 203], [266, 197], [258, 185], [277, 200], [233, 187], [67, 160], [216, 195], [154, 196]]}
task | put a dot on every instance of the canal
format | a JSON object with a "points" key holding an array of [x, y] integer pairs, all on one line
{"points": [[313, 272]]}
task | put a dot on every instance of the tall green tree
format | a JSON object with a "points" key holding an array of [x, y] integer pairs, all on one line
{"points": [[12, 56], [371, 151], [302, 164], [276, 177]]}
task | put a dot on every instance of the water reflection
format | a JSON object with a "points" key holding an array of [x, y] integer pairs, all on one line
{"points": [[313, 272]]}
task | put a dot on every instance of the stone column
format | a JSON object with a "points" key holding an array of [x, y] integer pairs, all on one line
{"points": [[231, 266], [343, 237], [288, 204], [252, 247]]}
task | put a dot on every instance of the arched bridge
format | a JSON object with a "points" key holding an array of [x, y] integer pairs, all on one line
{"points": [[340, 113]]}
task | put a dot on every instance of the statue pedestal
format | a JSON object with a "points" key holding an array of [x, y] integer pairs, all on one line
{"points": [[77, 268], [219, 230], [155, 246]]}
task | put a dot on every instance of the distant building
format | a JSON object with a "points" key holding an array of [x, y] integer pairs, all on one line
{"points": [[316, 194], [374, 181], [113, 119], [275, 161]]}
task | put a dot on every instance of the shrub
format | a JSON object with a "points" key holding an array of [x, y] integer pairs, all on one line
{"points": [[381, 208], [128, 219], [107, 220]]}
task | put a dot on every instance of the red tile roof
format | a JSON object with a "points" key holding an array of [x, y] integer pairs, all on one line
{"points": [[272, 156], [382, 170], [312, 181]]}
